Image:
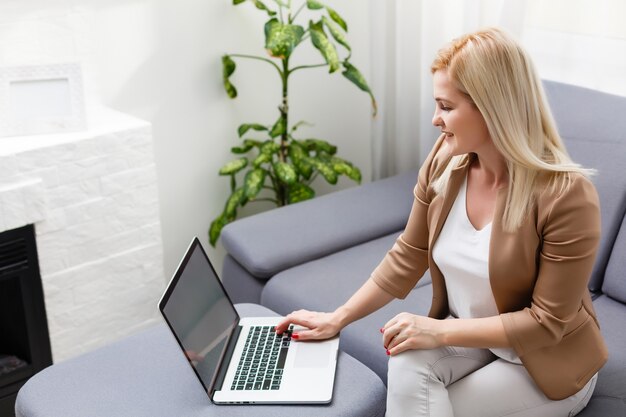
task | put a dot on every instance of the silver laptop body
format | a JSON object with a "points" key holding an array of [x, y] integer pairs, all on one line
{"points": [[241, 360]]}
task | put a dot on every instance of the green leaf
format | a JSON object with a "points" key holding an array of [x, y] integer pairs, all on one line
{"points": [[247, 145], [300, 123], [335, 16], [216, 229], [240, 149], [261, 6], [326, 169], [247, 126], [253, 183], [318, 145], [321, 42], [228, 68], [299, 192], [236, 198], [281, 39], [270, 147], [234, 167], [344, 167], [279, 128], [285, 172], [299, 158], [358, 79], [236, 2], [314, 5], [337, 34], [253, 143], [261, 159]]}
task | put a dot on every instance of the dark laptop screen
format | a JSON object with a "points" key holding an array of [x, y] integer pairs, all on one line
{"points": [[199, 313]]}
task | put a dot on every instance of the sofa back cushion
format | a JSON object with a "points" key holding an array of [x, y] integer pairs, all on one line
{"points": [[593, 126], [270, 242], [615, 277]]}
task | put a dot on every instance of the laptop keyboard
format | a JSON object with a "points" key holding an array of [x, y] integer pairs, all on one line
{"points": [[263, 359]]}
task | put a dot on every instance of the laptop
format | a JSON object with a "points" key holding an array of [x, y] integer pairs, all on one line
{"points": [[241, 360]]}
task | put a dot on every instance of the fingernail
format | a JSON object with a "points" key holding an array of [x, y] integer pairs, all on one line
{"points": [[382, 330], [295, 336], [388, 353]]}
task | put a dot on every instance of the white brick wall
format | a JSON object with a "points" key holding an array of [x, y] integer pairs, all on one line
{"points": [[93, 199]]}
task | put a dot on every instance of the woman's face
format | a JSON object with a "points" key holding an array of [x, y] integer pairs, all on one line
{"points": [[464, 126]]}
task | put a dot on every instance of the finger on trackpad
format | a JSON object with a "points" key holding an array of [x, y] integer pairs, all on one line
{"points": [[312, 355]]}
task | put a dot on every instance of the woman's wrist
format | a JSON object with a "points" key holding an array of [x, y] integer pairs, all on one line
{"points": [[442, 331], [341, 316]]}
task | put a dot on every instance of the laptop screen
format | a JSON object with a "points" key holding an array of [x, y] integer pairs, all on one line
{"points": [[199, 313]]}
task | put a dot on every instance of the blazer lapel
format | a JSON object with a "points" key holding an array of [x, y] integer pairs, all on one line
{"points": [[452, 190]]}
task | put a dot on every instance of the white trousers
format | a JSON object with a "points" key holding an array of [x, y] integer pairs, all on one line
{"points": [[468, 382]]}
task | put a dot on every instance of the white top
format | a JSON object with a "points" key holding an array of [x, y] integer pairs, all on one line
{"points": [[462, 254]]}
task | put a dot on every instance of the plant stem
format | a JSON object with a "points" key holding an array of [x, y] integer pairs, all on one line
{"points": [[284, 114], [298, 12], [277, 188], [307, 66], [313, 178], [265, 199], [259, 59], [280, 12]]}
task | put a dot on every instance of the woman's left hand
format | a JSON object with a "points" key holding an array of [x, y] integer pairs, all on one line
{"points": [[409, 331]]}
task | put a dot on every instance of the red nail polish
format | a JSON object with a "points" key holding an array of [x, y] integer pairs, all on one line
{"points": [[382, 330], [295, 336], [388, 353]]}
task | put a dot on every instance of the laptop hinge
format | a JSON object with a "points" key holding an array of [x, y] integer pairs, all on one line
{"points": [[221, 373]]}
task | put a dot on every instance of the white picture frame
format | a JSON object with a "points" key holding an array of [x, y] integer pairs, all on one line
{"points": [[38, 99]]}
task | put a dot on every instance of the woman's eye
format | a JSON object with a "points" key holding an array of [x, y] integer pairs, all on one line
{"points": [[444, 108]]}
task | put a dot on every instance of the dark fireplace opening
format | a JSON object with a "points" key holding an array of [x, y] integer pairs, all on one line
{"points": [[24, 340]]}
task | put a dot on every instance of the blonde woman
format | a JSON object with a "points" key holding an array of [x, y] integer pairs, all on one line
{"points": [[509, 227]]}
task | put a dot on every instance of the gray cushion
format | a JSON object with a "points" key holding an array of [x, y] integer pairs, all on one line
{"points": [[146, 375], [273, 241], [326, 283], [609, 398], [240, 285], [614, 284], [595, 136]]}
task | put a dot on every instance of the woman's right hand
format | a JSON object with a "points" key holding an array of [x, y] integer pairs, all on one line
{"points": [[319, 325]]}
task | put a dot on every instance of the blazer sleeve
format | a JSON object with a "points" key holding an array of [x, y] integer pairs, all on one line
{"points": [[570, 239], [406, 262]]}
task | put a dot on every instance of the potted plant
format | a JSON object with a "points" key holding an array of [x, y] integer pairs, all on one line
{"points": [[280, 162]]}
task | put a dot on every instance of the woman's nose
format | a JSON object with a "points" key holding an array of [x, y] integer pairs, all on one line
{"points": [[437, 120]]}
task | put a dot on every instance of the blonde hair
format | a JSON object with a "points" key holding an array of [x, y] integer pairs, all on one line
{"points": [[499, 78]]}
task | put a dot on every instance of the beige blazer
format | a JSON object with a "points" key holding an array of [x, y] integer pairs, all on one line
{"points": [[538, 274]]}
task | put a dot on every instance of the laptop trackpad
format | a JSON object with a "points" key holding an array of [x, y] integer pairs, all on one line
{"points": [[312, 354]]}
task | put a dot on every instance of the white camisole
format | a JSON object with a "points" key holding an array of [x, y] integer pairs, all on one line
{"points": [[462, 254]]}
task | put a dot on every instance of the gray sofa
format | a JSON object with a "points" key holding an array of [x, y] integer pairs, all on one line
{"points": [[315, 254]]}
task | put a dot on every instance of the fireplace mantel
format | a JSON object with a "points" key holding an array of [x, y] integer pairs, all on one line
{"points": [[92, 197]]}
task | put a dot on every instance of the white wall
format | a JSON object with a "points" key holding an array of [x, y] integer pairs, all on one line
{"points": [[160, 60]]}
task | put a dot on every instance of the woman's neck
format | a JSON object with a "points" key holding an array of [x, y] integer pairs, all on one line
{"points": [[490, 168]]}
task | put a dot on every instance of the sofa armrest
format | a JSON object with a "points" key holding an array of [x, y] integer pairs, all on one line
{"points": [[270, 242]]}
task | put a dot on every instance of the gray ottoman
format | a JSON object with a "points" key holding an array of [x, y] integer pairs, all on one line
{"points": [[146, 375]]}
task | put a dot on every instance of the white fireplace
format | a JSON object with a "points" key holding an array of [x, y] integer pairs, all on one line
{"points": [[92, 197]]}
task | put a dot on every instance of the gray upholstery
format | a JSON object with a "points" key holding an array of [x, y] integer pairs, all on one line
{"points": [[241, 285], [146, 375], [326, 283], [340, 246], [609, 397], [276, 240], [614, 284]]}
